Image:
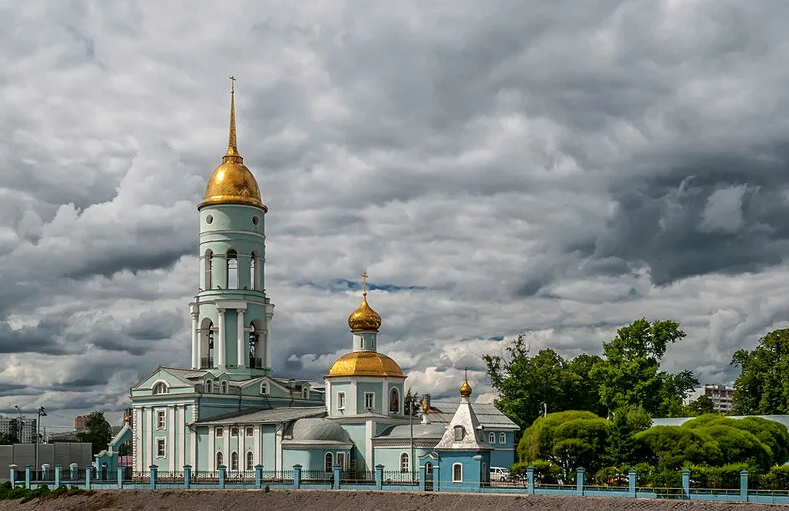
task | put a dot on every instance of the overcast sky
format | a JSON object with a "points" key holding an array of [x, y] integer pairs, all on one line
{"points": [[557, 169]]}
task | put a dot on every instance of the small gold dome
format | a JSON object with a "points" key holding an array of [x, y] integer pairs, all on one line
{"points": [[465, 389], [364, 318], [365, 363], [232, 182]]}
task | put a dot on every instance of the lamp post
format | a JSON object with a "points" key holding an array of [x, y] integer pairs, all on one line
{"points": [[20, 425], [41, 413], [414, 398]]}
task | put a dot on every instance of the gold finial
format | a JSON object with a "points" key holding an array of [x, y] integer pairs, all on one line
{"points": [[232, 146], [364, 282], [465, 389]]}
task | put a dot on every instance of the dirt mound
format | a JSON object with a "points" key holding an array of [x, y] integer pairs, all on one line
{"points": [[305, 500]]}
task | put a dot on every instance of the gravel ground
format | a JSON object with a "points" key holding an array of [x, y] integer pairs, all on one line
{"points": [[284, 500]]}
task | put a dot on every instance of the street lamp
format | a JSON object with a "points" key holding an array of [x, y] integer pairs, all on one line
{"points": [[41, 413], [414, 398], [20, 425]]}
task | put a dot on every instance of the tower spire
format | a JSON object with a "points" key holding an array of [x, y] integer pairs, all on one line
{"points": [[232, 146]]}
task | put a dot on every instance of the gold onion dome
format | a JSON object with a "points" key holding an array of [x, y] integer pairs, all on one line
{"points": [[364, 318], [465, 389], [365, 363], [232, 182]]}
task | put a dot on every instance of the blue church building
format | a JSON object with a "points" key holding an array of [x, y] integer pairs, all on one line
{"points": [[227, 407]]}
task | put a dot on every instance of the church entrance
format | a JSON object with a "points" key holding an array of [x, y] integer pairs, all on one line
{"points": [[428, 476]]}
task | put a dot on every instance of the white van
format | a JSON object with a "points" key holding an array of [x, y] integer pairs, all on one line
{"points": [[499, 474]]}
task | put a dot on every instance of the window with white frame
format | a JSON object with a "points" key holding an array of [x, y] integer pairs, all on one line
{"points": [[305, 392], [250, 461], [224, 387], [328, 461], [457, 473], [234, 431], [264, 388], [341, 459], [492, 438], [220, 459], [234, 460], [341, 400], [250, 431], [405, 466], [161, 388], [502, 438], [369, 400], [161, 419], [209, 386], [220, 432], [161, 447], [459, 433]]}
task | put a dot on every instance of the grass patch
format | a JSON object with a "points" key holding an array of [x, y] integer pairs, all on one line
{"points": [[42, 492]]}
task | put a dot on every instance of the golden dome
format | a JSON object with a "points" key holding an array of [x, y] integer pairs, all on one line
{"points": [[232, 182], [364, 318], [465, 389], [365, 363]]}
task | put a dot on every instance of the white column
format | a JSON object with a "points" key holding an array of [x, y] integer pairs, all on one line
{"points": [[211, 449], [171, 438], [385, 397], [256, 445], [220, 352], [195, 343], [267, 362], [327, 396], [137, 440], [278, 448], [226, 449], [182, 431], [149, 439], [241, 355]]}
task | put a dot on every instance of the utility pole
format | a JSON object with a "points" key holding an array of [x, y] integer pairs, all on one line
{"points": [[411, 426], [20, 425], [41, 413]]}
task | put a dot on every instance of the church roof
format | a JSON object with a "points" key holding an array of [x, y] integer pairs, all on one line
{"points": [[421, 431], [488, 415], [316, 431], [269, 416], [464, 431]]}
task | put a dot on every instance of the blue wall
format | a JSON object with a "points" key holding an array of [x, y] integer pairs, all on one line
{"points": [[472, 474]]}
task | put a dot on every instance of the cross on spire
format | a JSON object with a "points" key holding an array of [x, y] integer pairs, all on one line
{"points": [[364, 280], [232, 84]]}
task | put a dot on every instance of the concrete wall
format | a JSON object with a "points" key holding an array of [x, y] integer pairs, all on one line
{"points": [[62, 454]]}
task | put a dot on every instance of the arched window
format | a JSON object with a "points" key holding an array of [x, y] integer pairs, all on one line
{"points": [[485, 475], [250, 461], [208, 268], [457, 473], [223, 386], [234, 460], [161, 388], [232, 269], [405, 466], [264, 388], [208, 386], [254, 362], [220, 460], [253, 271], [460, 432], [206, 344], [394, 401], [328, 461]]}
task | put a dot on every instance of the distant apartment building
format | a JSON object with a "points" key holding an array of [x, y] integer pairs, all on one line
{"points": [[22, 428], [80, 422], [721, 396]]}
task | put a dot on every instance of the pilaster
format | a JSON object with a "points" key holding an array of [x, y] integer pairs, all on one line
{"points": [[241, 345], [220, 352]]}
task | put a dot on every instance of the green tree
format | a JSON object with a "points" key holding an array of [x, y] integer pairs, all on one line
{"points": [[762, 387], [703, 405], [672, 447], [98, 432], [630, 374], [527, 385], [569, 439], [622, 449], [8, 439], [411, 403], [773, 435]]}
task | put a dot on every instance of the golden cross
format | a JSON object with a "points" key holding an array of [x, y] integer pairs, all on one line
{"points": [[232, 84], [364, 278], [465, 375]]}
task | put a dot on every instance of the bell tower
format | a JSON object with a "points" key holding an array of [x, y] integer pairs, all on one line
{"points": [[231, 313]]}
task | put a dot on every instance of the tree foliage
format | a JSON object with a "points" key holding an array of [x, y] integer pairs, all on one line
{"points": [[673, 447], [8, 439], [98, 432], [700, 406], [762, 387]]}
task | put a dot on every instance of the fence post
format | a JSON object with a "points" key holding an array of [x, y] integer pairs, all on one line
{"points": [[121, 472], [379, 477], [686, 483], [87, 476], [58, 473], [259, 476], [337, 476], [45, 472], [530, 480], [154, 473], [744, 485], [579, 480], [74, 471], [187, 476], [13, 475], [631, 483], [222, 475], [422, 472], [28, 475], [296, 476]]}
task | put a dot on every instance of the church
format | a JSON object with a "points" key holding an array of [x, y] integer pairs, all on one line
{"points": [[228, 407]]}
